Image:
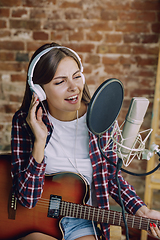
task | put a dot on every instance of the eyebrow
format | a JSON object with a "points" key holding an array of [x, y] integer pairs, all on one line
{"points": [[65, 76]]}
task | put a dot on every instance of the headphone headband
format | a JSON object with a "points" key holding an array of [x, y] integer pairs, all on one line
{"points": [[36, 87]]}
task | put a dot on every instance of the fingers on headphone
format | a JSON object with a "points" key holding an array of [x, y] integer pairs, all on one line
{"points": [[34, 98]]}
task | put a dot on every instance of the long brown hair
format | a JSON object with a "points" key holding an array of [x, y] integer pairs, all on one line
{"points": [[45, 70]]}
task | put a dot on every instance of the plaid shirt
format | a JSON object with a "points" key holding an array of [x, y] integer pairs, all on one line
{"points": [[28, 175]]}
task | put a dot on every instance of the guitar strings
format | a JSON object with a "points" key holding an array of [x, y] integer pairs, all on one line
{"points": [[79, 210]]}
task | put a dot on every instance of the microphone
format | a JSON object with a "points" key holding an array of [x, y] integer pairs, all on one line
{"points": [[102, 113], [130, 143], [133, 122]]}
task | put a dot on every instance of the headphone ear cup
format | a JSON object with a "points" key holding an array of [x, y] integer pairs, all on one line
{"points": [[83, 78], [39, 91]]}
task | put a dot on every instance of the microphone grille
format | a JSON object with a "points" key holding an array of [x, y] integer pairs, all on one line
{"points": [[137, 109]]}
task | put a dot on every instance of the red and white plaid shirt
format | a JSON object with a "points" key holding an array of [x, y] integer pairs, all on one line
{"points": [[28, 175]]}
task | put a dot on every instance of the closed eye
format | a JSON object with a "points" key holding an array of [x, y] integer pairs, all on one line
{"points": [[77, 77], [57, 83]]}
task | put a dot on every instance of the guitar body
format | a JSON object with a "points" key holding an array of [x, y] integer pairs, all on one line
{"points": [[70, 186]]}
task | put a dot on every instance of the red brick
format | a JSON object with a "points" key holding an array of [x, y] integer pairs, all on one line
{"points": [[39, 35], [10, 3], [12, 45], [17, 67], [66, 4], [76, 36], [37, 13], [33, 46], [132, 27], [4, 12], [5, 33], [81, 48], [55, 15], [108, 15], [147, 83], [110, 60], [145, 5], [127, 60], [18, 13], [147, 61], [135, 16], [150, 38], [25, 24], [101, 26], [103, 49], [73, 14], [92, 13], [142, 49], [58, 36], [38, 3], [144, 73], [60, 25], [131, 38], [116, 5], [113, 38], [113, 70], [18, 78], [15, 98], [146, 16], [94, 36], [127, 15], [7, 56], [156, 27], [92, 59], [10, 108], [3, 23], [142, 92]]}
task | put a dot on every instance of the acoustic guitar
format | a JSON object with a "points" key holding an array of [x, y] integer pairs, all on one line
{"points": [[64, 194]]}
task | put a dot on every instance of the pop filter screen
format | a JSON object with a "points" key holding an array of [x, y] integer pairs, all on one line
{"points": [[105, 106]]}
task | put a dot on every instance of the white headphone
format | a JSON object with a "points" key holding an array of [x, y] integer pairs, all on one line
{"points": [[36, 87]]}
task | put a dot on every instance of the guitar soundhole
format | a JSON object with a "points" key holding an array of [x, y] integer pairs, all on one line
{"points": [[54, 206]]}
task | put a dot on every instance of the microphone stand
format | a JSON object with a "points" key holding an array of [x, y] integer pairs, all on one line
{"points": [[118, 168]]}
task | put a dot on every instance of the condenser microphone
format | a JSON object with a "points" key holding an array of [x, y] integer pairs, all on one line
{"points": [[133, 122]]}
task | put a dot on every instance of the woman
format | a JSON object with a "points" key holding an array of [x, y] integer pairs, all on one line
{"points": [[49, 135]]}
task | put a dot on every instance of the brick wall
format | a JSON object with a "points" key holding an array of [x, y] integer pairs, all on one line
{"points": [[115, 38]]}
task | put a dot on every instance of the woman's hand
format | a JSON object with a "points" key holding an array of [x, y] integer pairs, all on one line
{"points": [[38, 128], [145, 212]]}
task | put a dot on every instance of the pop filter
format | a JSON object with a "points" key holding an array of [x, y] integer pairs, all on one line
{"points": [[105, 106]]}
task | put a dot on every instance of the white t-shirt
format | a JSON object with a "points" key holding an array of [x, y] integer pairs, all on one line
{"points": [[68, 148]]}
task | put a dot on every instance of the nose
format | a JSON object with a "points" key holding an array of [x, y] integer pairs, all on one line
{"points": [[71, 85]]}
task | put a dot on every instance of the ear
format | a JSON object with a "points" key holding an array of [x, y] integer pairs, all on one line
{"points": [[39, 91]]}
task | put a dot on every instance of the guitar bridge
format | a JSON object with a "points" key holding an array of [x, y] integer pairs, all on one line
{"points": [[54, 206]]}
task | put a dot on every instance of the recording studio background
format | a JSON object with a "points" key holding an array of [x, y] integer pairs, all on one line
{"points": [[115, 38]]}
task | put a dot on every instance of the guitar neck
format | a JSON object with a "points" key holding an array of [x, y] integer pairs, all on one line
{"points": [[105, 216]]}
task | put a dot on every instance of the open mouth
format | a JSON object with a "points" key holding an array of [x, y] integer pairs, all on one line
{"points": [[72, 98]]}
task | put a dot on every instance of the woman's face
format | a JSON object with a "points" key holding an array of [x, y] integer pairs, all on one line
{"points": [[64, 91]]}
